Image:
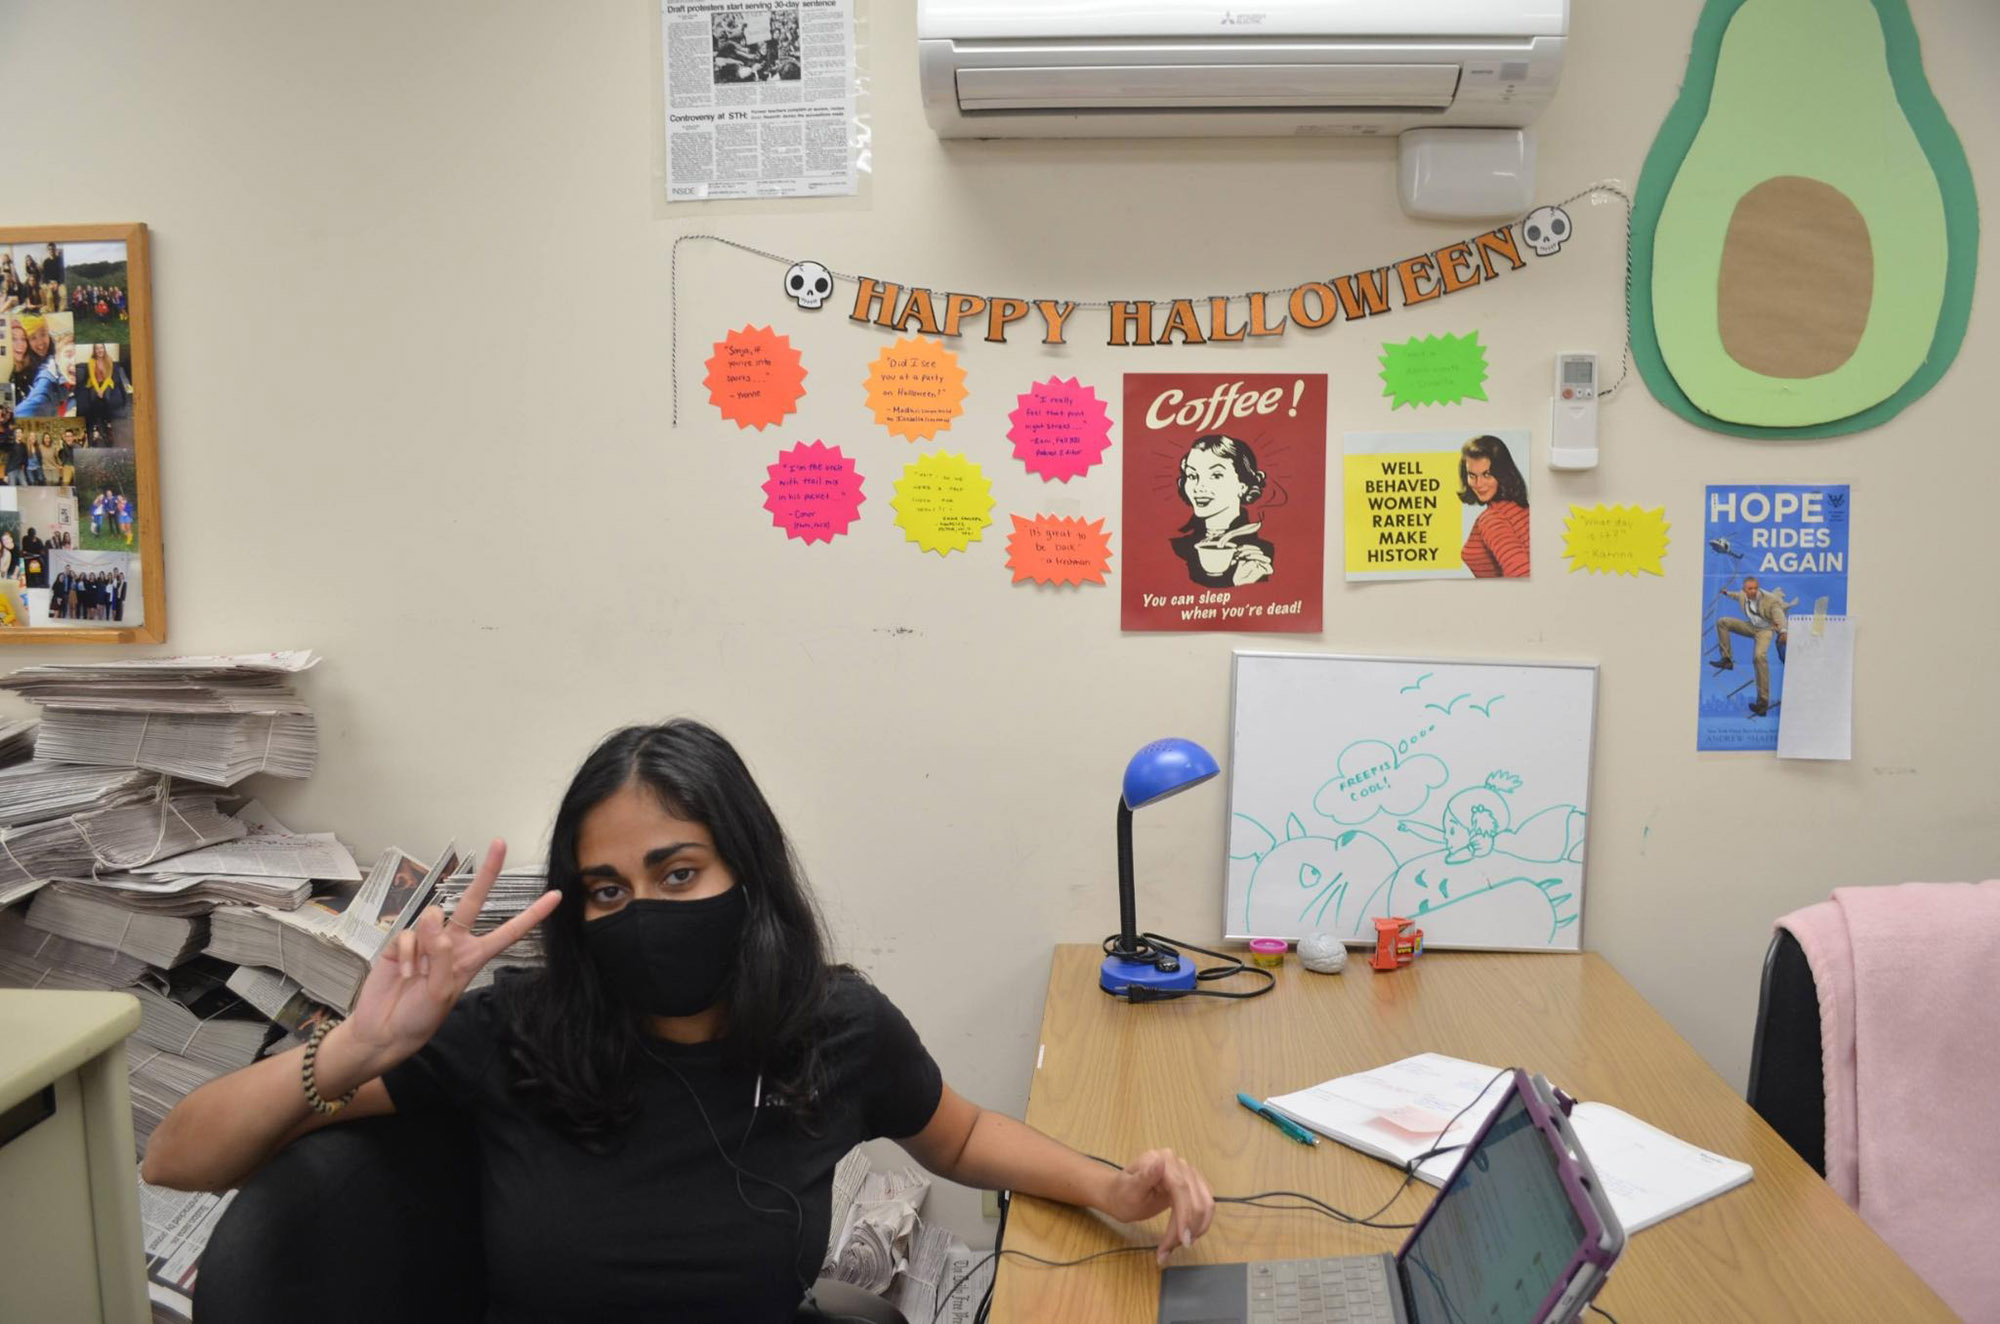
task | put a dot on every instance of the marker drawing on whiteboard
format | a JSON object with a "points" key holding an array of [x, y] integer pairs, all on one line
{"points": [[1480, 857]]}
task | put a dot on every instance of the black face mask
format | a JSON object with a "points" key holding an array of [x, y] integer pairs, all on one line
{"points": [[669, 958]]}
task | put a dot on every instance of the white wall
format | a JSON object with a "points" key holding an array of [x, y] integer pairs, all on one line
{"points": [[412, 315]]}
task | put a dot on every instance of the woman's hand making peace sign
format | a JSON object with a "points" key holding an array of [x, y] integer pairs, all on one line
{"points": [[420, 975]]}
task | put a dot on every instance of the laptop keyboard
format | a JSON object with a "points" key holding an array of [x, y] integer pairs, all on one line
{"points": [[1350, 1290]]}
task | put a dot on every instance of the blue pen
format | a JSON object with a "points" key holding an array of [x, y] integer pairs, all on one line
{"points": [[1283, 1123]]}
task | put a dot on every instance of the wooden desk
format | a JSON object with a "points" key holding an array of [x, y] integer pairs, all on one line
{"points": [[1115, 1079]]}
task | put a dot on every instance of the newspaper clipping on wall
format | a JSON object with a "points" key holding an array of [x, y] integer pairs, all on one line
{"points": [[759, 98]]}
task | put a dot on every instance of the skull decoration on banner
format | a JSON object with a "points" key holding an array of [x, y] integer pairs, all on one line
{"points": [[1545, 230], [809, 283]]}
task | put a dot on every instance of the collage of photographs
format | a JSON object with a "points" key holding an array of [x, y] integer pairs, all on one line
{"points": [[69, 495]]}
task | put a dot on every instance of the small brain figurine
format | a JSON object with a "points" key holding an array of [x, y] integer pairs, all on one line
{"points": [[1322, 954]]}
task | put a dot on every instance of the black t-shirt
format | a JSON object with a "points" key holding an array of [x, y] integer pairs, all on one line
{"points": [[656, 1229]]}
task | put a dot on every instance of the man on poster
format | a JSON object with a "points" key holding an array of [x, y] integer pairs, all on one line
{"points": [[1766, 548], [1763, 620]]}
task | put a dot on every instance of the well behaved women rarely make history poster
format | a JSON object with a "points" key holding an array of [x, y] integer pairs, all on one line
{"points": [[1437, 505], [1225, 501]]}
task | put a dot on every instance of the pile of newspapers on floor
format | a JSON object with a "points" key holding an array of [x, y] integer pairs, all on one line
{"points": [[881, 1244], [128, 863]]}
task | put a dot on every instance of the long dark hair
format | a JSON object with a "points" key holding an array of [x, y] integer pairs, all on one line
{"points": [[574, 1044], [1494, 451]]}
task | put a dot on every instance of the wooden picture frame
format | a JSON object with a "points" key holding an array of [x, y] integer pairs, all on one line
{"points": [[79, 592]]}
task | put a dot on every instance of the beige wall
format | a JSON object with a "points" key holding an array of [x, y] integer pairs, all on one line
{"points": [[412, 292]]}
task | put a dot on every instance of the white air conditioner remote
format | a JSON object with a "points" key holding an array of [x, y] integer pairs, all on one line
{"points": [[1573, 413]]}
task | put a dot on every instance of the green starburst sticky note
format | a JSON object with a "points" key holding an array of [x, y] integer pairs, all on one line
{"points": [[1434, 370]]}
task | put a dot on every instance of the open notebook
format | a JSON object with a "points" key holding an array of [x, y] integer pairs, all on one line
{"points": [[1396, 1113]]}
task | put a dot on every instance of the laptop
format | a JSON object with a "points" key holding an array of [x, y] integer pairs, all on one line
{"points": [[1522, 1231]]}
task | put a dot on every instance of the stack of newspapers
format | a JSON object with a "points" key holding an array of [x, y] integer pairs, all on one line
{"points": [[329, 943], [124, 867], [36, 958], [215, 720], [513, 892], [77, 911], [159, 1080], [194, 1013]]}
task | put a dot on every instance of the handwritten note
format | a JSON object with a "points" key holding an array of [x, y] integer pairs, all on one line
{"points": [[1434, 370], [943, 503], [813, 492], [916, 388], [1616, 540], [755, 377], [1053, 550], [1060, 429]]}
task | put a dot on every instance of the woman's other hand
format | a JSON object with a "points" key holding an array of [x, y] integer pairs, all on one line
{"points": [[1156, 1181]]}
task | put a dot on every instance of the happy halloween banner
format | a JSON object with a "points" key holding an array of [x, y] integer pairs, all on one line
{"points": [[1215, 319]]}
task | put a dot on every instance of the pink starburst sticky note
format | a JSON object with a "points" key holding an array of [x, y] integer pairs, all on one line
{"points": [[813, 492], [1059, 429], [1053, 550]]}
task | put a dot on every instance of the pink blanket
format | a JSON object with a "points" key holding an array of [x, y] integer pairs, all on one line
{"points": [[1909, 1003]]}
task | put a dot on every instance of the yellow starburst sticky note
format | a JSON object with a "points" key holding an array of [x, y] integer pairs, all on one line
{"points": [[943, 503], [916, 388], [1616, 540]]}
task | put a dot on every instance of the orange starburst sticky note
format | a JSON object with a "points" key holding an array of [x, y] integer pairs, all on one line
{"points": [[755, 377], [1620, 540], [1053, 550], [943, 503], [916, 388]]}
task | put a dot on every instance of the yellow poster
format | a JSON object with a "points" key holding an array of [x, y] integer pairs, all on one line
{"points": [[1436, 505]]}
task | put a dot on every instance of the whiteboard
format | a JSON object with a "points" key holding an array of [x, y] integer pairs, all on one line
{"points": [[1452, 793]]}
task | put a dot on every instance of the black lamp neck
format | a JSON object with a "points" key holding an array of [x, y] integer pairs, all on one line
{"points": [[1128, 921]]}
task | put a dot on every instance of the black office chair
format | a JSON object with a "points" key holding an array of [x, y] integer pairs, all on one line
{"points": [[379, 1220], [1787, 1087]]}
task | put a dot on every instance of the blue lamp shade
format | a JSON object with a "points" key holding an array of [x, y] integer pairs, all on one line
{"points": [[1164, 768]]}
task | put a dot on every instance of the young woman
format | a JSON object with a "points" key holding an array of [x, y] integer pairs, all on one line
{"points": [[103, 392], [35, 560], [38, 378], [1497, 544], [10, 560], [13, 450], [1219, 479], [125, 518], [660, 1109]]}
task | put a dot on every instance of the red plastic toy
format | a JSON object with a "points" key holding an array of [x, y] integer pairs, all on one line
{"points": [[1397, 943]]}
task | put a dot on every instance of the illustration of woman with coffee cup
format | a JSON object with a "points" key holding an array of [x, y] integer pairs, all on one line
{"points": [[1219, 480]]}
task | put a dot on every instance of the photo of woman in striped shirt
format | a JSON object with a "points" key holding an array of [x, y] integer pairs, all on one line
{"points": [[1497, 544]]}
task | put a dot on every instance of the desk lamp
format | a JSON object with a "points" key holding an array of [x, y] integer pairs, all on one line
{"points": [[1157, 771]]}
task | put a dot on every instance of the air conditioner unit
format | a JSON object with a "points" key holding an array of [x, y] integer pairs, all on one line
{"points": [[1458, 80]]}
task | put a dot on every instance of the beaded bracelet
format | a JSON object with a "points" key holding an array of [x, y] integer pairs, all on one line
{"points": [[306, 1078]]}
